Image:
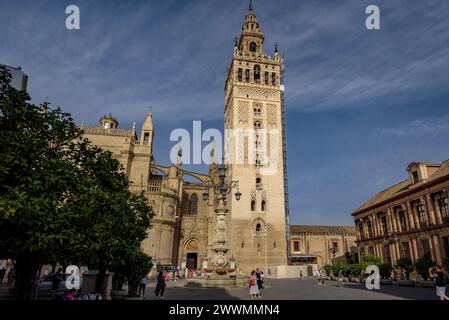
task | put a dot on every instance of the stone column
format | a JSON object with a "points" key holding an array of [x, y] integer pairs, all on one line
{"points": [[410, 215], [433, 214]]}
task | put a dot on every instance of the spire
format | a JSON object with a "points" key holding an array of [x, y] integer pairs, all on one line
{"points": [[252, 37]]}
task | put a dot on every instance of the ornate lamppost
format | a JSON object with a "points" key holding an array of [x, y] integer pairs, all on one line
{"points": [[221, 191]]}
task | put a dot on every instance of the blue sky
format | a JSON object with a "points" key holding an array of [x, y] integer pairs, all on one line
{"points": [[361, 105]]}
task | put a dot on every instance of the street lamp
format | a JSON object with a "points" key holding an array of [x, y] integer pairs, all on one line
{"points": [[221, 191]]}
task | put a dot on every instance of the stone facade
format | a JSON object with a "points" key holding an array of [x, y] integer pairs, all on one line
{"points": [[184, 226], [409, 219], [253, 113], [321, 245]]}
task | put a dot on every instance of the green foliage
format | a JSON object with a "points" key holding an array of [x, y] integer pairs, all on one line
{"points": [[355, 269], [328, 269], [371, 259], [385, 270], [405, 264], [422, 266], [61, 199]]}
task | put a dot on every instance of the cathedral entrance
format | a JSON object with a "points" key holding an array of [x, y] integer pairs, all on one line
{"points": [[192, 260]]}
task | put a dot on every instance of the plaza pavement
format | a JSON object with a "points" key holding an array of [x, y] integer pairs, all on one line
{"points": [[296, 289], [287, 289]]}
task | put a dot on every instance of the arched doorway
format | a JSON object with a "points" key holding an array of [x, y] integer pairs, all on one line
{"points": [[192, 249]]}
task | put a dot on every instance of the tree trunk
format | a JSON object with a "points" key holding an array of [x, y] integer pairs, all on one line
{"points": [[26, 273]]}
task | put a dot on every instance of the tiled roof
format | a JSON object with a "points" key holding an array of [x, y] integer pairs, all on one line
{"points": [[321, 229], [403, 187]]}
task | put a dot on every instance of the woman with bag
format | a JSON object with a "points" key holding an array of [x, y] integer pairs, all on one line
{"points": [[253, 288]]}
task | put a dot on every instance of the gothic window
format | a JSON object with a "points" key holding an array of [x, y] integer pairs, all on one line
{"points": [[252, 46], [257, 124], [247, 75], [264, 205], [258, 183], [257, 110], [240, 74], [267, 76], [258, 227], [193, 205], [253, 205], [106, 125], [257, 73], [273, 79], [146, 137]]}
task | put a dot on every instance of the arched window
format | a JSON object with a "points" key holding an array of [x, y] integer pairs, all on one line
{"points": [[257, 111], [252, 47], [258, 227], [259, 184], [253, 205], [264, 205], [257, 73], [257, 124], [193, 205]]}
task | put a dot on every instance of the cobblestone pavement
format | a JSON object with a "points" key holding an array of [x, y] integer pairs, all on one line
{"points": [[295, 289]]}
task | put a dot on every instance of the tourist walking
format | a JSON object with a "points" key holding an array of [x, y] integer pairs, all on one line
{"points": [[318, 277], [160, 286], [340, 278], [440, 281], [253, 288], [143, 285], [259, 277], [323, 276]]}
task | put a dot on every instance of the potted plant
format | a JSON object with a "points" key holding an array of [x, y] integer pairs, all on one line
{"points": [[355, 272], [406, 266], [385, 273], [422, 266]]}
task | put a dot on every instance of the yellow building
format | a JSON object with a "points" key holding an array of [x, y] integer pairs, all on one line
{"points": [[409, 219], [321, 245]]}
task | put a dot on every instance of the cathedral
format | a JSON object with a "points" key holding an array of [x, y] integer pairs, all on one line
{"points": [[183, 233]]}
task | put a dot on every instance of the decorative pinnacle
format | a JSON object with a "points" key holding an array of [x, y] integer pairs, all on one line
{"points": [[236, 42], [276, 47], [250, 5]]}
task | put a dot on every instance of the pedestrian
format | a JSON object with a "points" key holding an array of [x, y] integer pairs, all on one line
{"points": [[11, 280], [253, 288], [259, 280], [143, 285], [323, 276], [318, 277], [55, 281], [160, 286], [340, 278], [440, 281]]}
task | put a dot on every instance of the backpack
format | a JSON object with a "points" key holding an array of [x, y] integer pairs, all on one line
{"points": [[252, 282]]}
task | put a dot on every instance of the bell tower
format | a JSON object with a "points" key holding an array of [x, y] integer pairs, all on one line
{"points": [[254, 149]]}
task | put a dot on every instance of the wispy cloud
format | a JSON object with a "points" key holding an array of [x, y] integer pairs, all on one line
{"points": [[420, 127]]}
